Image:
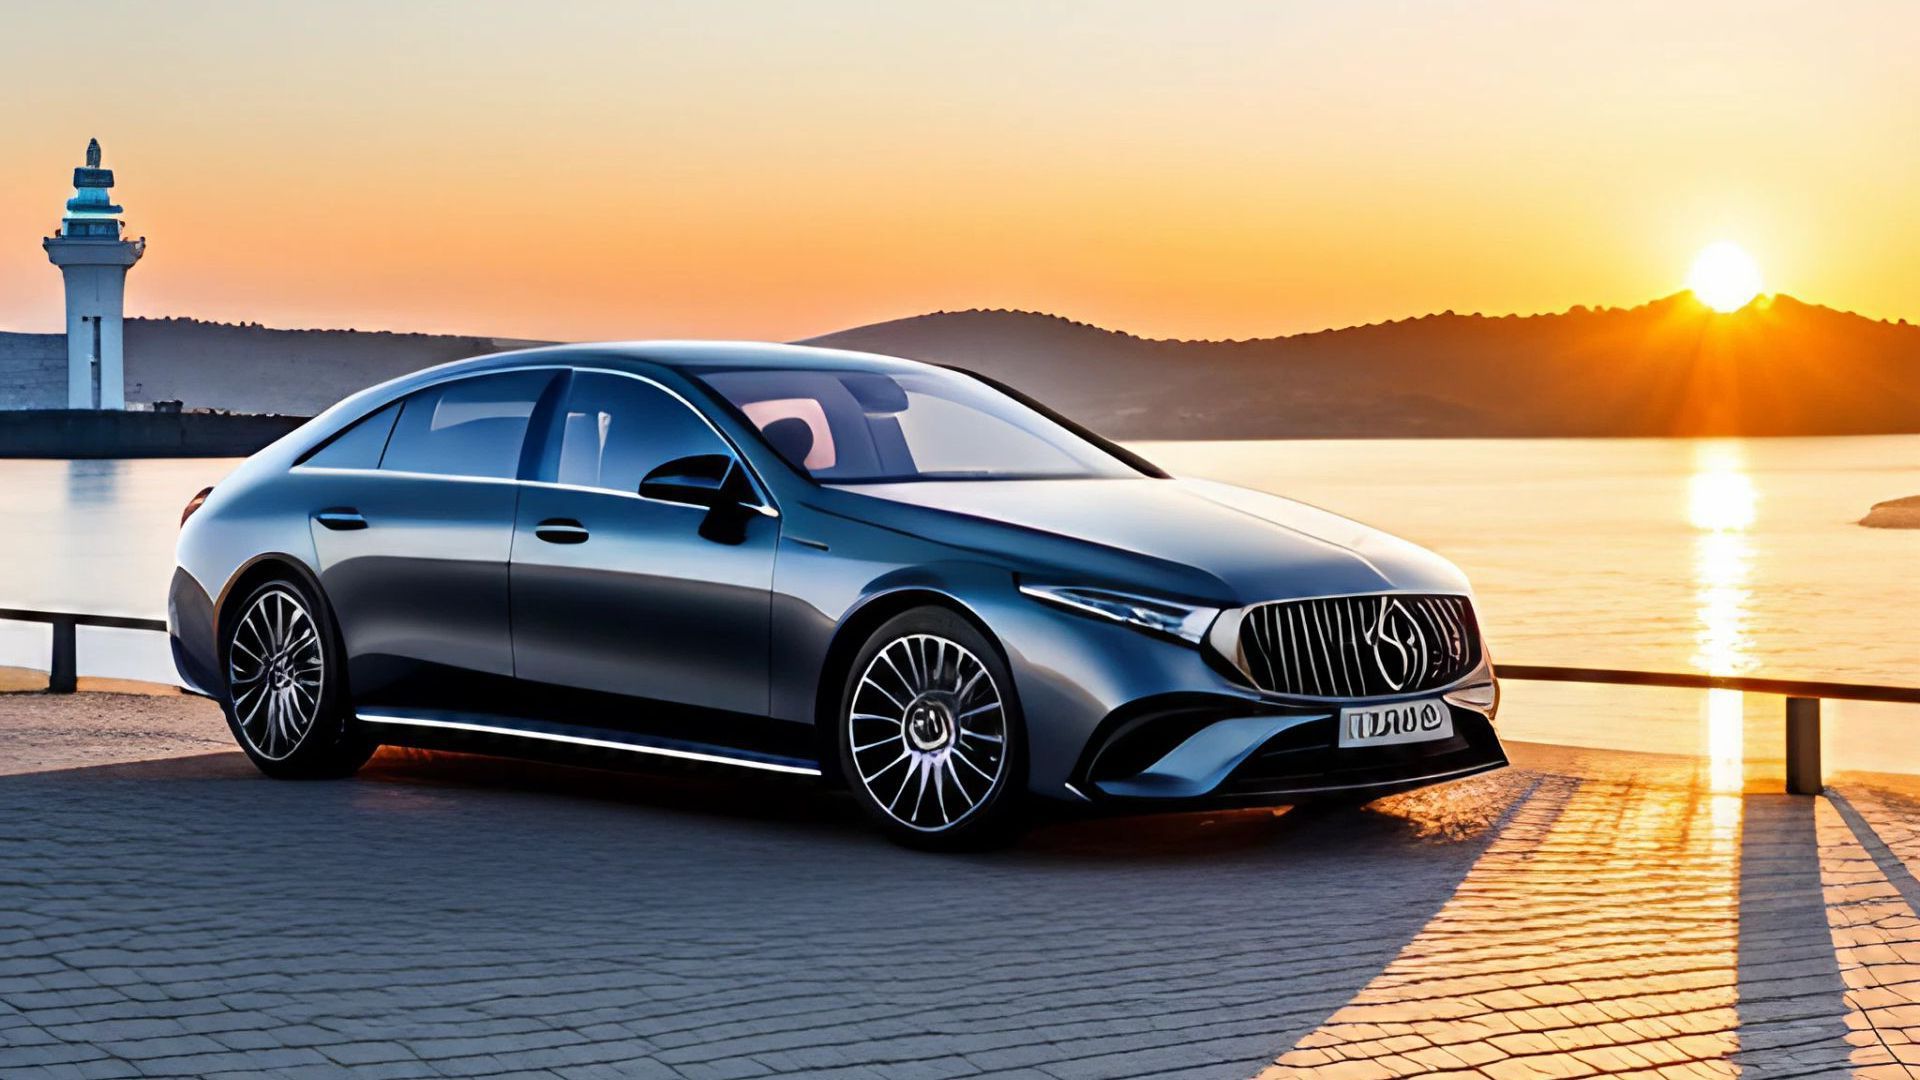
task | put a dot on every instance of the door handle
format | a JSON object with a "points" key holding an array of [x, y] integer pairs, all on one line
{"points": [[341, 519], [561, 531]]}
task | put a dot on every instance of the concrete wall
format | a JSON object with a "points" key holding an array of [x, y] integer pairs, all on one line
{"points": [[33, 371]]}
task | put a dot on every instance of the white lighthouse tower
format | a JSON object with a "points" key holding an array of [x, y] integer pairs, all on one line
{"points": [[94, 260]]}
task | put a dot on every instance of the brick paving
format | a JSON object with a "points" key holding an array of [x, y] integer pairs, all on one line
{"points": [[1872, 899], [1597, 935], [1582, 914]]}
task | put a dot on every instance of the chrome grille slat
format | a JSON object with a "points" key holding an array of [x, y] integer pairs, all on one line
{"points": [[1306, 647], [1266, 648], [1340, 635], [1319, 638], [1293, 653], [1267, 654], [1327, 647], [1355, 610]]}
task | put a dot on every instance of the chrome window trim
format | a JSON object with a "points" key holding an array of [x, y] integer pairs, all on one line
{"points": [[586, 489], [407, 474], [581, 740], [764, 504]]}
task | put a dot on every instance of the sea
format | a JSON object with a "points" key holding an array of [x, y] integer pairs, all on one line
{"points": [[1724, 556]]}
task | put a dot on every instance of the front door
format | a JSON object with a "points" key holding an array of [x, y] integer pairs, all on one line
{"points": [[632, 596]]}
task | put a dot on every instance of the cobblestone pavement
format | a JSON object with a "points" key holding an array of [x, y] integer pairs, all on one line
{"points": [[39, 732], [1581, 914]]}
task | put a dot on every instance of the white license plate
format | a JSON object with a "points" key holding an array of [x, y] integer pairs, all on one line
{"points": [[1423, 720]]}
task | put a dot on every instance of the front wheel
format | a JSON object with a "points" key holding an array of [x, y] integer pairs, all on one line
{"points": [[286, 702], [930, 733]]}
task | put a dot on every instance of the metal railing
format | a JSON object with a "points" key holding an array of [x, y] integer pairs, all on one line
{"points": [[1804, 775], [63, 671], [1804, 771]]}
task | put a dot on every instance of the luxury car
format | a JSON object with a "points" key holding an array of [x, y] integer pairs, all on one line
{"points": [[906, 578]]}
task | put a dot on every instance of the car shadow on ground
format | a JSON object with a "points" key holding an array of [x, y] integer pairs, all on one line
{"points": [[1456, 813], [1461, 814]]}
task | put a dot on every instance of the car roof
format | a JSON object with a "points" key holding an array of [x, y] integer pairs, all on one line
{"points": [[693, 357]]}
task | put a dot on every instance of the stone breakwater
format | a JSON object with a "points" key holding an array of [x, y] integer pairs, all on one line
{"points": [[86, 433]]}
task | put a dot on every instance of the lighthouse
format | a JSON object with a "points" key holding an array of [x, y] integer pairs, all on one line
{"points": [[94, 260]]}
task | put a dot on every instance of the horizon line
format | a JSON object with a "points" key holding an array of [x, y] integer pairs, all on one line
{"points": [[1761, 300]]}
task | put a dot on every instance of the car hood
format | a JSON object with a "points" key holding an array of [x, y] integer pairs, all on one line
{"points": [[1256, 546]]}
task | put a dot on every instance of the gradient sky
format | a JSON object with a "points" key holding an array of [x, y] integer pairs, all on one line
{"points": [[1187, 169]]}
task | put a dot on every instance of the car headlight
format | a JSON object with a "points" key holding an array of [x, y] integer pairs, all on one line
{"points": [[1188, 622]]}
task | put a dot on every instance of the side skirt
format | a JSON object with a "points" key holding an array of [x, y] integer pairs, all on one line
{"points": [[513, 735]]}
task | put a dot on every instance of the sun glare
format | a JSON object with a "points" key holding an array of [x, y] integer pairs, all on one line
{"points": [[1724, 277]]}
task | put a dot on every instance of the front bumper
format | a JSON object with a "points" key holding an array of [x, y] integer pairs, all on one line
{"points": [[1118, 716], [1198, 749]]}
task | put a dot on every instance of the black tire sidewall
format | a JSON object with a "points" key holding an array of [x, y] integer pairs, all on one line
{"points": [[336, 744], [997, 819]]}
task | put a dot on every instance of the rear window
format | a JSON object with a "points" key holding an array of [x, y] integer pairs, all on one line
{"points": [[473, 427]]}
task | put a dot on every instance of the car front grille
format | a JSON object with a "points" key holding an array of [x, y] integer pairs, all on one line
{"points": [[1358, 646]]}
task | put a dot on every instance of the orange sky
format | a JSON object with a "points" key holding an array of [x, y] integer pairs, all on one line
{"points": [[574, 170]]}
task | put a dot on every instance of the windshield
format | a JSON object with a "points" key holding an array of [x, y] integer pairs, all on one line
{"points": [[850, 427]]}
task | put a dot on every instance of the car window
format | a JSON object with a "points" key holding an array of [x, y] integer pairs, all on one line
{"points": [[359, 446], [809, 412], [902, 424], [616, 429], [946, 436], [472, 427]]}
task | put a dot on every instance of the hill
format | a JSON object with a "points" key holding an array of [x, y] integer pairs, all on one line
{"points": [[1670, 367]]}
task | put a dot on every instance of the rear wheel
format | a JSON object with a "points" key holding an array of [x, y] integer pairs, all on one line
{"points": [[931, 740], [286, 702]]}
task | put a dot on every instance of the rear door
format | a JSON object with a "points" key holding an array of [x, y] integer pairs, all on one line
{"points": [[414, 539], [621, 594]]}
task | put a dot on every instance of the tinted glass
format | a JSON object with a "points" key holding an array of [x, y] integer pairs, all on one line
{"points": [[615, 430], [862, 426], [473, 427], [359, 446]]}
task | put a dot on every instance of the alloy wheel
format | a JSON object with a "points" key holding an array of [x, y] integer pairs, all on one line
{"points": [[274, 670], [928, 732]]}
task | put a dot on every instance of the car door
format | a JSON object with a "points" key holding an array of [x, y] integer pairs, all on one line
{"points": [[414, 535], [623, 593]]}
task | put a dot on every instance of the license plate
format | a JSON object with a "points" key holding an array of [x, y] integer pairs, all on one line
{"points": [[1423, 720]]}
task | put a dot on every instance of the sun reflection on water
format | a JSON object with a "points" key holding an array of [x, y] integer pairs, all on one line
{"points": [[1721, 505]]}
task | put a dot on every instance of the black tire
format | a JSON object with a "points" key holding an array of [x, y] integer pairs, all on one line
{"points": [[935, 766], [287, 707]]}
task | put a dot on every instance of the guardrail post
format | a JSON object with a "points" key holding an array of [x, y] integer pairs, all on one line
{"points": [[1803, 746], [62, 672]]}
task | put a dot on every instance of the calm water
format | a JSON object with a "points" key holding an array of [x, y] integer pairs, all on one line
{"points": [[1732, 557]]}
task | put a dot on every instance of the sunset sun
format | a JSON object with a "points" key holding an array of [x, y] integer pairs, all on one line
{"points": [[1724, 277]]}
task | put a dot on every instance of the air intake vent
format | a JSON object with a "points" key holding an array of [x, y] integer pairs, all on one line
{"points": [[1358, 646]]}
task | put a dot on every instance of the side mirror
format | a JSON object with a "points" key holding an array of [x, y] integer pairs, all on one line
{"points": [[698, 480]]}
